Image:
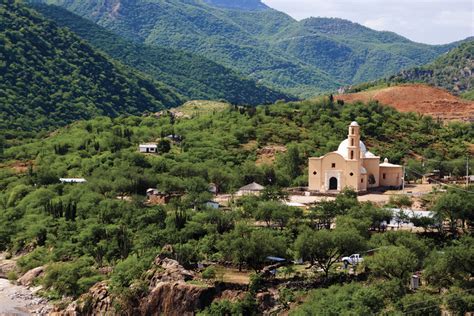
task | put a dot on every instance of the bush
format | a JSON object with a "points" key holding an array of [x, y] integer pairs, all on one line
{"points": [[71, 278], [125, 272], [209, 273], [36, 258]]}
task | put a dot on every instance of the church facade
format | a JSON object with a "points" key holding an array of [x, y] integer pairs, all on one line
{"points": [[352, 166]]}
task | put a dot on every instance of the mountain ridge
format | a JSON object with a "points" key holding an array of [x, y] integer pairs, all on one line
{"points": [[193, 76], [301, 57]]}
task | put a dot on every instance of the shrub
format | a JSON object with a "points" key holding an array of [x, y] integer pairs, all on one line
{"points": [[209, 273]]}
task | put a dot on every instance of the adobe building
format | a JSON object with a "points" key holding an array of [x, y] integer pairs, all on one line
{"points": [[352, 166]]}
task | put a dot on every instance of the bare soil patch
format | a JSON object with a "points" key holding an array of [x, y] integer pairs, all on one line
{"points": [[418, 98]]}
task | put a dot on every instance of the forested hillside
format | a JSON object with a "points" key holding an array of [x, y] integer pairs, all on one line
{"points": [[303, 58], [80, 230], [49, 77], [193, 76], [453, 71]]}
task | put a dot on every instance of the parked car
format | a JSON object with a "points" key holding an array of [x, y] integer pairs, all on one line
{"points": [[352, 259]]}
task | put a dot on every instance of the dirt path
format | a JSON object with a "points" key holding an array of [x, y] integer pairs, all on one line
{"points": [[19, 300]]}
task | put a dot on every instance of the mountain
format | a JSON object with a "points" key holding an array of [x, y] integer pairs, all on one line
{"points": [[453, 71], [301, 57], [418, 98], [241, 5], [193, 76], [49, 77]]}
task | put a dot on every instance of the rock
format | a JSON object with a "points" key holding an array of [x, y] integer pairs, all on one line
{"points": [[177, 298], [28, 278], [169, 270], [97, 301], [5, 267]]}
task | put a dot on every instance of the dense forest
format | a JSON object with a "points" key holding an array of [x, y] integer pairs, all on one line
{"points": [[49, 77], [193, 76], [77, 229], [299, 57]]}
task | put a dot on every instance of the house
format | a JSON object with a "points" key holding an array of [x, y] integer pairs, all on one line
{"points": [[250, 189], [155, 197], [352, 166], [72, 180], [151, 148]]}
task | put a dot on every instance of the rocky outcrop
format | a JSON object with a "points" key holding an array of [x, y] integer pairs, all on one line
{"points": [[28, 278], [176, 298], [170, 294], [97, 301]]}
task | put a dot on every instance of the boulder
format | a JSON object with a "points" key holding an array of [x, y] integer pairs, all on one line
{"points": [[5, 267], [28, 278]]}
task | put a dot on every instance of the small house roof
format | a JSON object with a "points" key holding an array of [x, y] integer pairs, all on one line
{"points": [[252, 187], [72, 180], [154, 145]]}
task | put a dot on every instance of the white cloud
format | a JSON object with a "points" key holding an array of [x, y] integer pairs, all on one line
{"points": [[428, 21]]}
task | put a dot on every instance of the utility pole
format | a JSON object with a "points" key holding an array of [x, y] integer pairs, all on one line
{"points": [[403, 179], [467, 171]]}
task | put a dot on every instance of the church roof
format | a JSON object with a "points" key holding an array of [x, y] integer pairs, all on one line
{"points": [[252, 187], [342, 149], [388, 164], [354, 124]]}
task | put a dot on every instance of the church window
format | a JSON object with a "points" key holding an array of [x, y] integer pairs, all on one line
{"points": [[352, 154], [351, 174], [315, 173], [383, 176], [352, 130], [333, 165], [362, 180], [352, 141]]}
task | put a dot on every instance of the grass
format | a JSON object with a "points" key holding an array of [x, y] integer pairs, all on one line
{"points": [[232, 275], [197, 283]]}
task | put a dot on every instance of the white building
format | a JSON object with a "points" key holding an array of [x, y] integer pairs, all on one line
{"points": [[151, 148]]}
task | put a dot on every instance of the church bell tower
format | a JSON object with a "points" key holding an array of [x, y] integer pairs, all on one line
{"points": [[353, 148]]}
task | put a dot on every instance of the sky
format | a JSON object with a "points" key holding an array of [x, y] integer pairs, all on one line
{"points": [[424, 21]]}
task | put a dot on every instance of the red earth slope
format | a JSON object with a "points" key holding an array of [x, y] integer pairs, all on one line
{"points": [[418, 98]]}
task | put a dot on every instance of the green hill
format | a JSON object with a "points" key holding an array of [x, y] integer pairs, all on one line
{"points": [[302, 57], [49, 77], [453, 71], [191, 75]]}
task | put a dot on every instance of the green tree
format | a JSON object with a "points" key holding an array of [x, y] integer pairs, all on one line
{"points": [[393, 262], [324, 248]]}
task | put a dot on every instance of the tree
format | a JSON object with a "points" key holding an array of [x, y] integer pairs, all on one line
{"points": [[393, 262], [324, 248], [451, 206], [420, 304], [451, 266], [244, 245]]}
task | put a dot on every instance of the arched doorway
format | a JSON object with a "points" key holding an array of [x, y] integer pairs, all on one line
{"points": [[333, 183]]}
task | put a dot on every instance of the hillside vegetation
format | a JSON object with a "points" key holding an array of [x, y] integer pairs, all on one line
{"points": [[49, 77], [77, 230], [193, 76], [302, 57], [453, 71]]}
